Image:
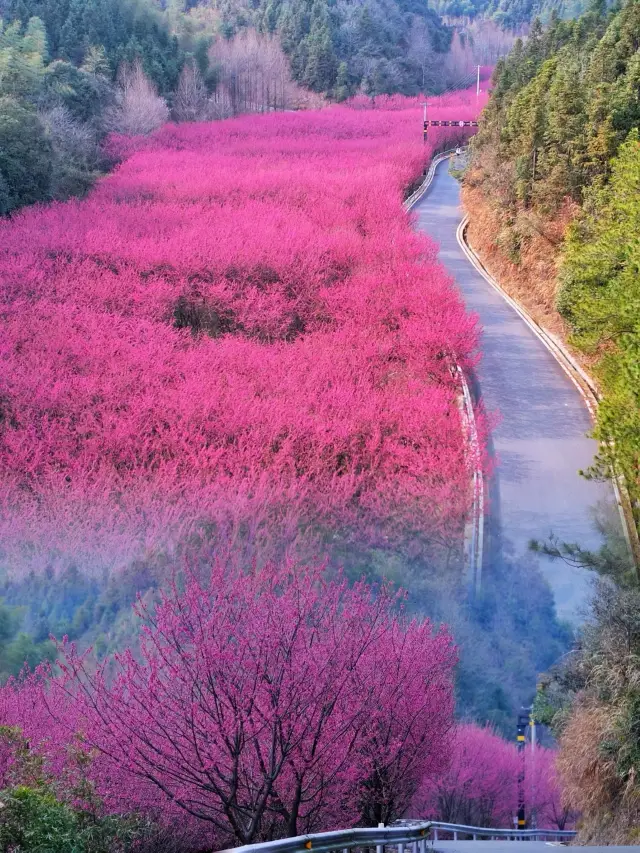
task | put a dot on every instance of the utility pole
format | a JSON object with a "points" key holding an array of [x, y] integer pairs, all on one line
{"points": [[521, 728], [424, 104], [532, 723], [533, 820], [478, 84]]}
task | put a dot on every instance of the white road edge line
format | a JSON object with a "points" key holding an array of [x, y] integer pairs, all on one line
{"points": [[587, 387], [474, 529]]}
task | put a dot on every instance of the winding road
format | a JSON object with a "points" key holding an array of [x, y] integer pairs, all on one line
{"points": [[540, 441]]}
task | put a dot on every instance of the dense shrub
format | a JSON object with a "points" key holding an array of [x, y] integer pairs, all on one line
{"points": [[592, 701]]}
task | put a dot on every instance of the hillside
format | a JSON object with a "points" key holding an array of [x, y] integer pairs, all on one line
{"points": [[230, 430], [123, 29], [225, 385], [553, 191], [104, 509], [510, 14], [73, 71], [332, 47]]}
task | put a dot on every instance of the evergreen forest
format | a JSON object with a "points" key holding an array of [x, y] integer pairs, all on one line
{"points": [[514, 15]]}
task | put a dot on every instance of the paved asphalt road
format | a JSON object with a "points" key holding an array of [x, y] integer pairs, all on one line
{"points": [[541, 440], [515, 847]]}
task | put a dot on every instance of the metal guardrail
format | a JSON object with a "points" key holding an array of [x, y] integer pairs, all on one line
{"points": [[494, 834], [474, 528], [414, 834], [415, 197]]}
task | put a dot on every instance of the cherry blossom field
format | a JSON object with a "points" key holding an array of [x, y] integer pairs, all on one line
{"points": [[228, 373], [236, 339]]}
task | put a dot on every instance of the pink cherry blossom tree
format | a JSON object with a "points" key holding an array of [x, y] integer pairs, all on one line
{"points": [[479, 788], [543, 791], [480, 784], [271, 703]]}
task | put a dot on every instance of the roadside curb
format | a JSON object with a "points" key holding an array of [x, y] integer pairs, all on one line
{"points": [[580, 378], [474, 528], [424, 186]]}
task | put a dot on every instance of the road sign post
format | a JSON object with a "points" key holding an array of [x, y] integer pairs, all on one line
{"points": [[426, 123]]}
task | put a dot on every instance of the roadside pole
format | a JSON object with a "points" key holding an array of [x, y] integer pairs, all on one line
{"points": [[521, 728], [425, 123]]}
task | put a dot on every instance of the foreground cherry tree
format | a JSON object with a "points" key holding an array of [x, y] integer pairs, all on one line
{"points": [[266, 703]]}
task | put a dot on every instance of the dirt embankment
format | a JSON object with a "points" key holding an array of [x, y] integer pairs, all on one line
{"points": [[523, 255]]}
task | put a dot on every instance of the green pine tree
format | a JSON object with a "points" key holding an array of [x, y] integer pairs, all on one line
{"points": [[600, 298]]}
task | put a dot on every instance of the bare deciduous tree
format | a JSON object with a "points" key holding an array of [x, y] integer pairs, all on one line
{"points": [[254, 76], [422, 53], [139, 109], [76, 151], [489, 41], [191, 101], [479, 43]]}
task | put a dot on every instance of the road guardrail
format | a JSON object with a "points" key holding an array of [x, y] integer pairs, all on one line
{"points": [[439, 829], [418, 835]]}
